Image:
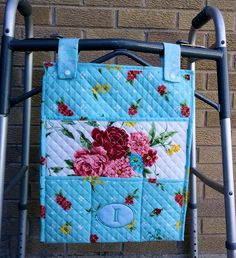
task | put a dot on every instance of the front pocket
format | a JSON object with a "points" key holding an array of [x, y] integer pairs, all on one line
{"points": [[163, 210], [67, 201]]}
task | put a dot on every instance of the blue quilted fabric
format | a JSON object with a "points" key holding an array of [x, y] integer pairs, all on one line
{"points": [[131, 192]]}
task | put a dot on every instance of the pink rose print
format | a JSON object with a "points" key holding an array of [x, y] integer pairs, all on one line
{"points": [[63, 108], [93, 238], [150, 157], [43, 161], [114, 140], [119, 168], [139, 143], [42, 212], [185, 110], [132, 75], [90, 162]]}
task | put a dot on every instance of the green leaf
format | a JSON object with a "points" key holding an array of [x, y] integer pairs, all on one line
{"points": [[56, 169], [47, 134], [95, 96], [67, 133], [85, 141], [152, 133], [146, 172], [162, 138], [138, 101], [92, 123], [68, 122], [100, 70], [110, 123], [135, 191], [70, 163]]}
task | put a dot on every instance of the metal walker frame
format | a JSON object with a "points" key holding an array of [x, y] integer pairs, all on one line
{"points": [[218, 53]]}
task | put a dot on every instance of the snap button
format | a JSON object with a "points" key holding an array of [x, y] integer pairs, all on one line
{"points": [[67, 72]]}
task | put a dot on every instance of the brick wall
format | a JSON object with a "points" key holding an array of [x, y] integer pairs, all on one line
{"points": [[148, 20]]}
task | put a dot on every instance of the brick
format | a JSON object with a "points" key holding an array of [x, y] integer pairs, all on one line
{"points": [[211, 208], [213, 95], [172, 36], [212, 194], [200, 118], [45, 32], [34, 190], [224, 5], [147, 247], [185, 20], [119, 3], [16, 115], [15, 135], [208, 136], [213, 119], [209, 154], [96, 247], [170, 4], [41, 15], [212, 244], [212, 81], [88, 17], [135, 18], [14, 154], [88, 56], [115, 33]]}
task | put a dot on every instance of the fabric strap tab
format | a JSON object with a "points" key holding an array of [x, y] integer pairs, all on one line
{"points": [[67, 58], [172, 62]]}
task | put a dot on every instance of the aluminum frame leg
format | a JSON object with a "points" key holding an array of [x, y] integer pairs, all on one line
{"points": [[25, 146]]}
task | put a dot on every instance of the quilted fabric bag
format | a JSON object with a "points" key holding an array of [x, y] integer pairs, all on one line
{"points": [[115, 146]]}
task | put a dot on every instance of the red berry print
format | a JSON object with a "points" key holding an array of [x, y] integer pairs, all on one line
{"points": [[61, 200], [64, 109], [93, 238], [179, 198], [156, 212], [48, 64], [187, 77], [42, 212], [129, 200], [152, 180], [185, 110], [133, 110], [43, 161], [132, 75], [162, 89]]}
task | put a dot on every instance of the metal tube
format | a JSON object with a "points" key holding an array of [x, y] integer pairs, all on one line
{"points": [[50, 44], [25, 143], [192, 177], [216, 186]]}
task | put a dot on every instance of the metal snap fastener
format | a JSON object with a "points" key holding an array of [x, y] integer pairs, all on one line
{"points": [[67, 72]]}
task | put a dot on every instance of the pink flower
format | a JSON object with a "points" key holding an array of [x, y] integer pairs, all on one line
{"points": [[132, 110], [139, 143], [162, 89], [90, 162], [185, 110], [119, 168], [150, 157]]}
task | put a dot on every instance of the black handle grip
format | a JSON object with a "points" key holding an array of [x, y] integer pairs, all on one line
{"points": [[202, 18], [24, 8]]}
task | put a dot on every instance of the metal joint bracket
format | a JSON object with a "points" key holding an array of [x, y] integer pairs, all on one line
{"points": [[192, 206], [230, 246]]}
